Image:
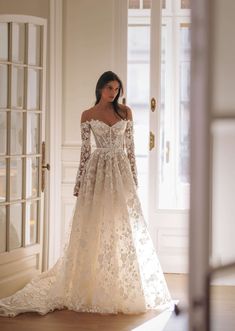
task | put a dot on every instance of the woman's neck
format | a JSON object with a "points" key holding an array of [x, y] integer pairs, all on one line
{"points": [[104, 105]]}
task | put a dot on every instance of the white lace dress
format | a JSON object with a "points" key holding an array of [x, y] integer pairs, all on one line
{"points": [[109, 264]]}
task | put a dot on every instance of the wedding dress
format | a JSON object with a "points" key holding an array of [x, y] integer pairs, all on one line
{"points": [[109, 264]]}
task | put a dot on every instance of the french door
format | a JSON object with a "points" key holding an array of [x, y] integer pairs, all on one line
{"points": [[22, 131], [158, 92]]}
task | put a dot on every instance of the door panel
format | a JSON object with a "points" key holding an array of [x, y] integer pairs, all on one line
{"points": [[158, 92], [22, 79], [169, 125]]}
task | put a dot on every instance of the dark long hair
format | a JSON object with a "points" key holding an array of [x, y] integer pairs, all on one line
{"points": [[104, 79]]}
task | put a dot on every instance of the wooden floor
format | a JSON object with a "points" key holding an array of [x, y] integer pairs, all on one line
{"points": [[223, 304]]}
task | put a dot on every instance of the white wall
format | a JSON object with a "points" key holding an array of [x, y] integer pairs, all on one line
{"points": [[87, 52], [38, 8], [223, 132]]}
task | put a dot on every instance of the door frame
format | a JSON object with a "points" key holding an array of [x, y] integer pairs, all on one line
{"points": [[52, 215], [168, 228]]}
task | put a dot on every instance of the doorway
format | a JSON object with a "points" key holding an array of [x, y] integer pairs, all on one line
{"points": [[158, 84]]}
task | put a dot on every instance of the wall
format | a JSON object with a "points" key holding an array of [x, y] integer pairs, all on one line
{"points": [[87, 52], [25, 7]]}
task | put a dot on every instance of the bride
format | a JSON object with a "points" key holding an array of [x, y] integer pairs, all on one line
{"points": [[109, 264]]}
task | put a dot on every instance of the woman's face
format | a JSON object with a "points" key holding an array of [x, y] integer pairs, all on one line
{"points": [[110, 91]]}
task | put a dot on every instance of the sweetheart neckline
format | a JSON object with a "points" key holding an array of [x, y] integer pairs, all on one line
{"points": [[110, 126]]}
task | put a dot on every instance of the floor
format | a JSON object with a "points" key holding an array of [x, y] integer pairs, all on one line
{"points": [[223, 310]]}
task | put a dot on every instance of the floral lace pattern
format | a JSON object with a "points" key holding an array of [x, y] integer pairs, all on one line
{"points": [[130, 148], [109, 263], [85, 154], [106, 140]]}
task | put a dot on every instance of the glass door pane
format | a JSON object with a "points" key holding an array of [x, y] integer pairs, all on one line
{"points": [[3, 132], [31, 223], [2, 229], [3, 41], [16, 133], [174, 115], [3, 85], [18, 42], [15, 226], [183, 117], [3, 179], [34, 45], [138, 94], [33, 94], [32, 176], [146, 4], [33, 133], [134, 4], [166, 179], [16, 178], [17, 97]]}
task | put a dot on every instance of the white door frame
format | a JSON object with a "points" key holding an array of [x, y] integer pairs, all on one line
{"points": [[52, 232], [168, 228]]}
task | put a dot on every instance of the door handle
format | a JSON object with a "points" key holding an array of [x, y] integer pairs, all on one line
{"points": [[44, 167], [153, 104]]}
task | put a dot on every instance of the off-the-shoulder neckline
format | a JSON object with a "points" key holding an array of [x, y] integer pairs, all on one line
{"points": [[110, 126]]}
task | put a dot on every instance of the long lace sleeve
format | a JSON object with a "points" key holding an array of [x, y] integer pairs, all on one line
{"points": [[85, 154], [130, 149]]}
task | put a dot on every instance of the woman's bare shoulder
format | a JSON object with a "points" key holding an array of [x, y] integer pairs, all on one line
{"points": [[127, 111], [87, 114]]}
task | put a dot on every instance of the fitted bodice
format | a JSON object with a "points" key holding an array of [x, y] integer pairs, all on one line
{"points": [[108, 136]]}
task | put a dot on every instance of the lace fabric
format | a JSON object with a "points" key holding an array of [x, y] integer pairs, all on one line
{"points": [[86, 149], [130, 148], [85, 154], [109, 263]]}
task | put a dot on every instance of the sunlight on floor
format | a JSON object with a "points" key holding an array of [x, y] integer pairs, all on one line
{"points": [[157, 323]]}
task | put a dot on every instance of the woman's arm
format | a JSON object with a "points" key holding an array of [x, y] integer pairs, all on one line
{"points": [[130, 145], [85, 152]]}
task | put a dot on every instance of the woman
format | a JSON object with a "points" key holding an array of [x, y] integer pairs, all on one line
{"points": [[109, 264]]}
